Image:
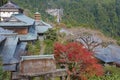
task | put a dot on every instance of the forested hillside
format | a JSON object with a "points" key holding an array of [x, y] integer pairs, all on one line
{"points": [[98, 14]]}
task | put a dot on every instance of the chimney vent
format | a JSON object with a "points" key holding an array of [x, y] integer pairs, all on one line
{"points": [[37, 16]]}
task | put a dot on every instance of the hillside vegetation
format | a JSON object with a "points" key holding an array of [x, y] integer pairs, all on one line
{"points": [[98, 14]]}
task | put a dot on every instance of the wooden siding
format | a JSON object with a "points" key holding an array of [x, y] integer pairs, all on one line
{"points": [[37, 66], [19, 30]]}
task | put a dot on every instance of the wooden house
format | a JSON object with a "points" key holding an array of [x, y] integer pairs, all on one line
{"points": [[8, 9], [21, 24]]}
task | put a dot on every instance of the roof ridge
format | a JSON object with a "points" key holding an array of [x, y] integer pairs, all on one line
{"points": [[10, 4]]}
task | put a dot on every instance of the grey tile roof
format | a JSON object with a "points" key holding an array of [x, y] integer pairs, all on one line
{"points": [[24, 18], [2, 38], [13, 24], [13, 55], [10, 5], [22, 21], [5, 31], [9, 50], [41, 26], [108, 54], [11, 67], [28, 37], [1, 46], [20, 50]]}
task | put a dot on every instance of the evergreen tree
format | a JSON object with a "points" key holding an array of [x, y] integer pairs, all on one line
{"points": [[3, 2]]}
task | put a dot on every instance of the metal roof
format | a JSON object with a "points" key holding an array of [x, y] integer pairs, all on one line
{"points": [[41, 26], [10, 4]]}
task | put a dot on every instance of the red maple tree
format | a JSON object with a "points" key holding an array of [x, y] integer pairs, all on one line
{"points": [[78, 60]]}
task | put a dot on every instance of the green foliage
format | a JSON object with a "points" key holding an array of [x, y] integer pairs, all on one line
{"points": [[34, 48], [49, 46], [2, 2], [112, 73], [3, 74], [51, 36]]}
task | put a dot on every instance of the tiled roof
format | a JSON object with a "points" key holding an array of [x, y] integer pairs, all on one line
{"points": [[9, 50], [10, 5], [13, 55], [108, 54], [24, 18], [41, 26], [4, 31], [15, 24], [2, 38], [28, 37], [23, 21], [11, 67], [20, 50]]}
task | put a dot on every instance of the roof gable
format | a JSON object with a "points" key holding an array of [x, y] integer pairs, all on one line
{"points": [[41, 26], [10, 4]]}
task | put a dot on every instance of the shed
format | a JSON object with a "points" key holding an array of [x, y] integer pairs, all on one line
{"points": [[40, 65]]}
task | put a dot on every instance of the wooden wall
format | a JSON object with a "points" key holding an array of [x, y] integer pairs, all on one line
{"points": [[37, 66], [19, 30]]}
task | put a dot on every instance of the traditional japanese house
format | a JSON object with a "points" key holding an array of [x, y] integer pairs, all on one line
{"points": [[8, 9], [21, 24], [12, 18]]}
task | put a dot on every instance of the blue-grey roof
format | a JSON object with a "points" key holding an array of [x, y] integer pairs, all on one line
{"points": [[21, 20], [9, 50], [24, 18], [5, 30], [13, 24], [2, 38], [10, 67], [12, 57], [20, 50], [28, 37], [10, 4], [108, 54], [41, 26]]}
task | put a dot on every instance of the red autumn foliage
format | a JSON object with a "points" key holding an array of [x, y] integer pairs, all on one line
{"points": [[79, 61]]}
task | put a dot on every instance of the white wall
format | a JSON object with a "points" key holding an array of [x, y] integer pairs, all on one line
{"points": [[7, 14]]}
